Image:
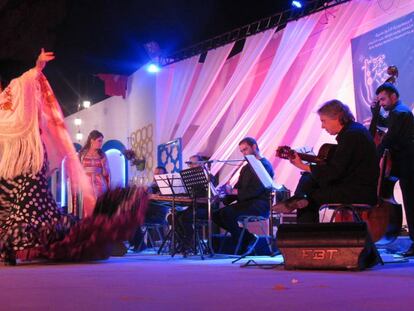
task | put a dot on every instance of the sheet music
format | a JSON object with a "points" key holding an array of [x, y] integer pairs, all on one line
{"points": [[261, 172], [166, 181], [198, 176]]}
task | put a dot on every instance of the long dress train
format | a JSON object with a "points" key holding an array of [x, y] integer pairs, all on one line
{"points": [[34, 222]]}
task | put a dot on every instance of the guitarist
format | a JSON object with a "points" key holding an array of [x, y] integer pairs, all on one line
{"points": [[349, 176], [399, 140]]}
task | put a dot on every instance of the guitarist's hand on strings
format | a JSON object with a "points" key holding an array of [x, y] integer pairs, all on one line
{"points": [[296, 161]]}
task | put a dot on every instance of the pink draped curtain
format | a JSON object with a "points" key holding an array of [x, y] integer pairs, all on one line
{"points": [[251, 53], [270, 91], [210, 70]]}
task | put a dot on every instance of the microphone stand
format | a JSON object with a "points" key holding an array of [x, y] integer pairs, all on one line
{"points": [[207, 164]]}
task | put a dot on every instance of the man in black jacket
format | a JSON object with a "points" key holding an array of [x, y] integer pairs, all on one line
{"points": [[350, 176], [399, 140], [251, 197]]}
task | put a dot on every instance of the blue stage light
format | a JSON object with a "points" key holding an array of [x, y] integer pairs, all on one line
{"points": [[153, 68], [297, 4]]}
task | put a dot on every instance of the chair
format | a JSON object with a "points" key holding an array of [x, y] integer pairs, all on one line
{"points": [[245, 221], [355, 209], [280, 194], [147, 230]]}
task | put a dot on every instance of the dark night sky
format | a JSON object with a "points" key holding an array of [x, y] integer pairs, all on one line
{"points": [[107, 36]]}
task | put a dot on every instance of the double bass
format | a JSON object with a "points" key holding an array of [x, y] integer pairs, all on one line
{"points": [[385, 220], [391, 211]]}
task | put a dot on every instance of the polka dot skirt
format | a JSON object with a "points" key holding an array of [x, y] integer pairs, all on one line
{"points": [[29, 216]]}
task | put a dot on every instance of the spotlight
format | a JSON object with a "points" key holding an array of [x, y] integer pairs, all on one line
{"points": [[297, 4], [78, 121], [86, 104], [153, 68]]}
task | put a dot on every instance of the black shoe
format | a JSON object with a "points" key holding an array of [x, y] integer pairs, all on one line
{"points": [[409, 252]]}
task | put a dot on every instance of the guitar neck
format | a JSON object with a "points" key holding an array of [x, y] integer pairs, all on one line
{"points": [[309, 158]]}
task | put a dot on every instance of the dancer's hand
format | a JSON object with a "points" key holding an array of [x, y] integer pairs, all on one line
{"points": [[43, 58]]}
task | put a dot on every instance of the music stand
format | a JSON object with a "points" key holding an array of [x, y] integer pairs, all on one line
{"points": [[269, 185], [172, 185], [198, 184]]}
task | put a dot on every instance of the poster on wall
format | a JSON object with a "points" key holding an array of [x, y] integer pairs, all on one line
{"points": [[169, 155], [373, 52]]}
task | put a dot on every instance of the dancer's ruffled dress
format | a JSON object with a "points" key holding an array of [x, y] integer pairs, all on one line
{"points": [[31, 224]]}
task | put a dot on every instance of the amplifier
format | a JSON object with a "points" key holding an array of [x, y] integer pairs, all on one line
{"points": [[327, 246]]}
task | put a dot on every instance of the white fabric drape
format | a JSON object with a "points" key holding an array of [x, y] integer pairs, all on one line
{"points": [[273, 95], [210, 70], [328, 52], [180, 77], [251, 53], [294, 37]]}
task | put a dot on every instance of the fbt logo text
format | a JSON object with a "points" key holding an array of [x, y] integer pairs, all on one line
{"points": [[319, 254]]}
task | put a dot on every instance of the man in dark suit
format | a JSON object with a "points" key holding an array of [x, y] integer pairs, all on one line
{"points": [[251, 197], [399, 140], [350, 176]]}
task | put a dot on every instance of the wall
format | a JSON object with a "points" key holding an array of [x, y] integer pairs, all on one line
{"points": [[119, 118]]}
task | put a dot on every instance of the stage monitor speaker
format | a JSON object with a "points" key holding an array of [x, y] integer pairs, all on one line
{"points": [[335, 246]]}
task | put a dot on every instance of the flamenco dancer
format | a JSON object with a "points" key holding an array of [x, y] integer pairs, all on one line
{"points": [[32, 135]]}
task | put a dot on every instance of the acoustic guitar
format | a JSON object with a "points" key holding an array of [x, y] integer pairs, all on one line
{"points": [[325, 153]]}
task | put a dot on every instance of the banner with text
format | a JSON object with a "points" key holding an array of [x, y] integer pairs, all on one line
{"points": [[373, 52]]}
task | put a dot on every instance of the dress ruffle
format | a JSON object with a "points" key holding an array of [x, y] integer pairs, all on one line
{"points": [[116, 216]]}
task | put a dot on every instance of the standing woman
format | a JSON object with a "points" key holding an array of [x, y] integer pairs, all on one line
{"points": [[95, 163]]}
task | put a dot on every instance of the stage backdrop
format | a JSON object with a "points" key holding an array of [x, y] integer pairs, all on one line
{"points": [[270, 90], [373, 52]]}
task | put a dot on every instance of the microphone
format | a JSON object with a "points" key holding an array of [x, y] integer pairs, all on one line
{"points": [[215, 161], [199, 162]]}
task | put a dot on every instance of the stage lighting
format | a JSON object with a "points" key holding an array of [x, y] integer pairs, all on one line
{"points": [[78, 121], [86, 104], [79, 136], [297, 4], [153, 68]]}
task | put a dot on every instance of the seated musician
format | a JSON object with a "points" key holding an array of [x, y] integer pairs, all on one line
{"points": [[155, 214], [349, 176], [251, 197]]}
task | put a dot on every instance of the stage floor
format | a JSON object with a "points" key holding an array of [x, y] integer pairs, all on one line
{"points": [[147, 281]]}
